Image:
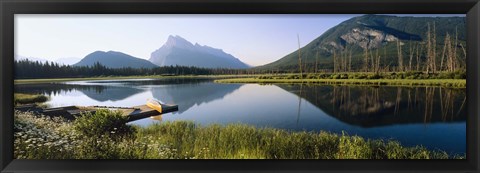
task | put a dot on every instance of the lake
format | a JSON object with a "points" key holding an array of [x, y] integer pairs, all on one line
{"points": [[434, 117]]}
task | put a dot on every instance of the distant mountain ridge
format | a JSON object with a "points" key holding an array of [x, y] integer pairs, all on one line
{"points": [[68, 61], [60, 61], [112, 59], [179, 51], [21, 58]]}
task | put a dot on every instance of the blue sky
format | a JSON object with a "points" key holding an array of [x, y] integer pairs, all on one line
{"points": [[254, 39]]}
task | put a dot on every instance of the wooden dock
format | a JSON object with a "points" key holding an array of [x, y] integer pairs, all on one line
{"points": [[70, 112]]}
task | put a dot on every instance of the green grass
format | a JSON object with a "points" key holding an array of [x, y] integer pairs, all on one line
{"points": [[446, 79], [36, 81], [451, 83], [28, 98], [47, 138], [239, 141]]}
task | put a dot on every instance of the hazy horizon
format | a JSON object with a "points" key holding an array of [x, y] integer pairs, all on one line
{"points": [[254, 39]]}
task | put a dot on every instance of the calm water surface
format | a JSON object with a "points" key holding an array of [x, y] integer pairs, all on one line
{"points": [[430, 116]]}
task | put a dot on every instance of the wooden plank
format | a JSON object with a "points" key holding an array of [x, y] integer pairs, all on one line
{"points": [[28, 108], [78, 112], [61, 108], [69, 112]]}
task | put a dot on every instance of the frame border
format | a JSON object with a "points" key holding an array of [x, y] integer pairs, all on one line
{"points": [[8, 8]]}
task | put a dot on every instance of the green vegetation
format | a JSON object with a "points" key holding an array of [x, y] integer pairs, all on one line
{"points": [[28, 98], [105, 136], [103, 121], [452, 80], [369, 75], [37, 70], [36, 81], [450, 83]]}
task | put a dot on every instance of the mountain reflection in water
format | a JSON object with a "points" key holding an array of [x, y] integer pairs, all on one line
{"points": [[379, 106]]}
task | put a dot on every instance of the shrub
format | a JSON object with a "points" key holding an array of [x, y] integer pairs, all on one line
{"points": [[102, 122], [460, 74], [28, 98], [311, 76], [265, 77], [446, 76], [324, 76], [361, 76], [374, 76], [105, 135], [292, 77]]}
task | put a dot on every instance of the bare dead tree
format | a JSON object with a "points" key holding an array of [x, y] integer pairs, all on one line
{"points": [[377, 68], [366, 59], [464, 51], [429, 50], [350, 61], [450, 54], [399, 55], [443, 52], [334, 61], [385, 56], [434, 48], [345, 60], [411, 56], [455, 49], [299, 57], [316, 62], [419, 47], [340, 58]]}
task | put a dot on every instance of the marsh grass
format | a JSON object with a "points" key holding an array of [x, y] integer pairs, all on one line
{"points": [[244, 141], [450, 83], [88, 139], [445, 79], [28, 98]]}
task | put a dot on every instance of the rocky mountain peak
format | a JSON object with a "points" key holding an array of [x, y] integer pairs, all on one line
{"points": [[179, 51], [368, 38], [177, 41]]}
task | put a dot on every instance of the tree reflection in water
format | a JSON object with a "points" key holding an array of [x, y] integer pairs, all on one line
{"points": [[369, 106]]}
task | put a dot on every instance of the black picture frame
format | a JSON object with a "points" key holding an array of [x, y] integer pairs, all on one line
{"points": [[8, 8]]}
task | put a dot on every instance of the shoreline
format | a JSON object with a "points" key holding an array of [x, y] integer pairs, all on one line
{"points": [[51, 80], [449, 83]]}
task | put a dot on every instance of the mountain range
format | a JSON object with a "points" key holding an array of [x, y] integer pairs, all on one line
{"points": [[367, 32], [176, 51], [372, 32], [179, 51]]}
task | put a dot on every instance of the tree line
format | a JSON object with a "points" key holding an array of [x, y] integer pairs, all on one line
{"points": [[26, 69]]}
